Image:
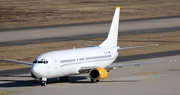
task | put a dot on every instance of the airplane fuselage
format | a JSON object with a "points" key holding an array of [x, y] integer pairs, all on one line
{"points": [[68, 62]]}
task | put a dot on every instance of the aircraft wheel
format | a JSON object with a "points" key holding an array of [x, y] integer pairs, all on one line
{"points": [[92, 80], [43, 83], [97, 80]]}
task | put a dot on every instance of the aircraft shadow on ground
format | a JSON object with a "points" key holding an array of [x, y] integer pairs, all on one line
{"points": [[78, 82], [21, 76], [33, 82], [19, 83], [72, 80]]}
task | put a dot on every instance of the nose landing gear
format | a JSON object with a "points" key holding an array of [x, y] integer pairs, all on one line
{"points": [[43, 83]]}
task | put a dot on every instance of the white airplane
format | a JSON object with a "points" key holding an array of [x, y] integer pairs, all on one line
{"points": [[95, 60]]}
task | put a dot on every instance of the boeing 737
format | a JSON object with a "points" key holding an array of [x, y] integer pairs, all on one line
{"points": [[93, 60]]}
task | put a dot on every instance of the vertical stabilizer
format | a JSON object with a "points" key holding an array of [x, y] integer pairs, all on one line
{"points": [[112, 38]]}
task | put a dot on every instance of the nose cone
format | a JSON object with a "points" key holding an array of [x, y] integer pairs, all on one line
{"points": [[37, 71]]}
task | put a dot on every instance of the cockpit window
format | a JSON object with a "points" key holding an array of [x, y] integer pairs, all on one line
{"points": [[35, 61], [42, 61]]}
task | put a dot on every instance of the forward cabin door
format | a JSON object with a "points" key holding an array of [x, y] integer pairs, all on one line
{"points": [[55, 62]]}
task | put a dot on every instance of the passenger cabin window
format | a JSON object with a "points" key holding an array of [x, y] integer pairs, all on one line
{"points": [[67, 61], [98, 57], [81, 59]]}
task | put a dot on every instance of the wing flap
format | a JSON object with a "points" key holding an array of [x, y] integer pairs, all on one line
{"points": [[86, 69]]}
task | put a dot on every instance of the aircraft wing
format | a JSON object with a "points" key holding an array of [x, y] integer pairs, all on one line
{"points": [[90, 45], [126, 48], [86, 69], [113, 66], [18, 61]]}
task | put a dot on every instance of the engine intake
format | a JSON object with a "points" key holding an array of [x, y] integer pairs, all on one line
{"points": [[98, 73]]}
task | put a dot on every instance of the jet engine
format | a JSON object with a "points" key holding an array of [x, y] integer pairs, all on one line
{"points": [[98, 73]]}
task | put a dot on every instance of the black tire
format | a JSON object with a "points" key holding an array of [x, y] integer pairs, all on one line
{"points": [[92, 80], [43, 84], [97, 80]]}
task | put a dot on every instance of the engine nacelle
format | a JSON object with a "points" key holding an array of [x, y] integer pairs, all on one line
{"points": [[98, 73]]}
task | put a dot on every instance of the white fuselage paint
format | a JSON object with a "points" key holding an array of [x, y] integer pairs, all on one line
{"points": [[68, 62]]}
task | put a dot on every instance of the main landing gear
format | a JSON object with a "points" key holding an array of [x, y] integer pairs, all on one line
{"points": [[92, 80], [61, 79]]}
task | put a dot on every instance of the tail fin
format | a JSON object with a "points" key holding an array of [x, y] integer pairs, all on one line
{"points": [[112, 38]]}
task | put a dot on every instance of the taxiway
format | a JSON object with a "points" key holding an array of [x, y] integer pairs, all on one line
{"points": [[58, 33]]}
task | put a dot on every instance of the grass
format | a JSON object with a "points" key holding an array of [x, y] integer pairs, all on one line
{"points": [[9, 92], [27, 13], [147, 73], [175, 69], [168, 41]]}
